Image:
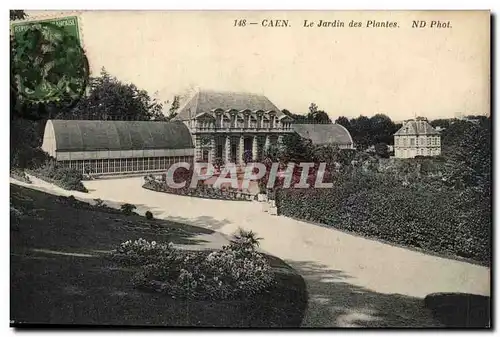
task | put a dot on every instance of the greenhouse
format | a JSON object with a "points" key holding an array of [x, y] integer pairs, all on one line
{"points": [[117, 147]]}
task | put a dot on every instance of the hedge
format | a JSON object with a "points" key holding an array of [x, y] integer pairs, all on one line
{"points": [[67, 178], [427, 216]]}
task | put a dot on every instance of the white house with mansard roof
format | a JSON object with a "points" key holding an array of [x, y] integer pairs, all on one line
{"points": [[417, 138]]}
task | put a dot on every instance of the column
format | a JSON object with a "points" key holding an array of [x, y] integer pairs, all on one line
{"points": [[197, 150], [211, 156], [267, 144], [254, 148], [241, 150], [280, 140], [227, 153]]}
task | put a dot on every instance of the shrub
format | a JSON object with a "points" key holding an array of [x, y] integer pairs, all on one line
{"points": [[418, 214], [127, 209], [20, 175], [99, 203], [141, 251], [149, 215], [67, 178], [236, 271]]}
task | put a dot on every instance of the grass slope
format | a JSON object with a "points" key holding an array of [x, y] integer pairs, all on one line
{"points": [[60, 273]]}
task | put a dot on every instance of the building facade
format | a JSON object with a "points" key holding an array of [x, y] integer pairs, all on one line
{"points": [[117, 147], [417, 138], [230, 125]]}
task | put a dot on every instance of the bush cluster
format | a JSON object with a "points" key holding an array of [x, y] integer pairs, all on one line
{"points": [[236, 271], [20, 175], [67, 178], [420, 214], [128, 209]]}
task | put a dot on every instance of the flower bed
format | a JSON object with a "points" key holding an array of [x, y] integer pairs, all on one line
{"points": [[201, 191], [237, 271]]}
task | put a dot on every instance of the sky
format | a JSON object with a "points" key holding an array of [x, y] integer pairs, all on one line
{"points": [[401, 72]]}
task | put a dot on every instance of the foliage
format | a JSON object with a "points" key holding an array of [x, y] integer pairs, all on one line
{"points": [[236, 271], [470, 160], [149, 215], [141, 251], [382, 150], [368, 131], [201, 191], [172, 112], [67, 178], [128, 209], [452, 135], [218, 163], [297, 149], [244, 240], [25, 142], [99, 203], [422, 213], [20, 175], [110, 99]]}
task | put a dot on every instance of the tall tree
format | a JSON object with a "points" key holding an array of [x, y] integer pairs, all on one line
{"points": [[470, 162], [313, 108], [361, 132], [382, 129], [172, 112], [344, 121], [110, 99]]}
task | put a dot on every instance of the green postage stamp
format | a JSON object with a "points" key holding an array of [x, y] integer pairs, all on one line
{"points": [[49, 60]]}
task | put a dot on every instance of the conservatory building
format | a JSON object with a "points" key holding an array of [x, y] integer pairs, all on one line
{"points": [[117, 147]]}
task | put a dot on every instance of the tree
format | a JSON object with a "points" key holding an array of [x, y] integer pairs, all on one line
{"points": [[382, 150], [469, 162], [297, 149], [453, 134], [297, 119], [443, 123], [110, 99], [313, 108], [172, 112], [321, 117], [361, 132], [382, 129], [317, 116], [344, 121]]}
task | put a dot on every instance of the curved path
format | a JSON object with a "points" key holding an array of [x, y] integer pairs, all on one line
{"points": [[352, 281]]}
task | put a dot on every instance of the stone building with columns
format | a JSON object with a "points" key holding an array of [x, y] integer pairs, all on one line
{"points": [[228, 124]]}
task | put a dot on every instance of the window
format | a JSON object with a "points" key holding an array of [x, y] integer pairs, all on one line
{"points": [[140, 164]]}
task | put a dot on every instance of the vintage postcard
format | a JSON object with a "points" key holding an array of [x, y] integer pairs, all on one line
{"points": [[250, 169]]}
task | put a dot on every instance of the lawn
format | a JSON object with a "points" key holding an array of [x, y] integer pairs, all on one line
{"points": [[61, 273]]}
